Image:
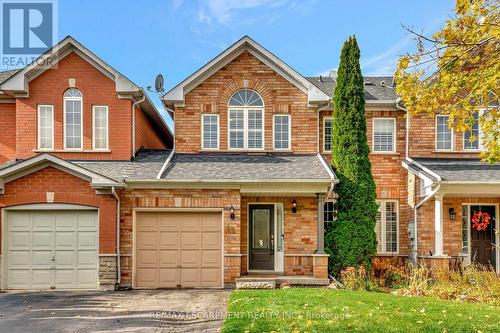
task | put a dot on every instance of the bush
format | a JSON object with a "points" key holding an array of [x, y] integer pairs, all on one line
{"points": [[357, 279]]}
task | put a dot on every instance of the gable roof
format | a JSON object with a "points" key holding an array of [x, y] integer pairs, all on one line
{"points": [[176, 94], [17, 81], [38, 162], [377, 88]]}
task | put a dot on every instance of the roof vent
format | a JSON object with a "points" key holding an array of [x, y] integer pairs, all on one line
{"points": [[368, 83], [333, 74], [382, 83], [320, 78]]}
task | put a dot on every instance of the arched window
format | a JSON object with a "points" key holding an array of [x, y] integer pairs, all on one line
{"points": [[246, 120], [73, 119]]}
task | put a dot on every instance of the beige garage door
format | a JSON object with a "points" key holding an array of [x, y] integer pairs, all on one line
{"points": [[181, 249]]}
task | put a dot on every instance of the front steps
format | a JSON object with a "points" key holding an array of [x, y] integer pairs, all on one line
{"points": [[270, 282]]}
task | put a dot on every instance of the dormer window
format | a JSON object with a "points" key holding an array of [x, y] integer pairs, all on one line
{"points": [[73, 119], [246, 121]]}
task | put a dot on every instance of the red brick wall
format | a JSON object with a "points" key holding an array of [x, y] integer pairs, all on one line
{"points": [[279, 96], [96, 88], [389, 175], [186, 198], [7, 132], [146, 136], [423, 139], [67, 189]]}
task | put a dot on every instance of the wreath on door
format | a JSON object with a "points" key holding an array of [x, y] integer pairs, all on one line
{"points": [[481, 220]]}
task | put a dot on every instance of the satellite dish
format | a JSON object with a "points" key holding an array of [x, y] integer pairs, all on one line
{"points": [[159, 83]]}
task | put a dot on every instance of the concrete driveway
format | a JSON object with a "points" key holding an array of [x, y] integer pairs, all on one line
{"points": [[122, 311]]}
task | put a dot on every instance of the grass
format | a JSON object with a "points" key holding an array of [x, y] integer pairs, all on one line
{"points": [[327, 310]]}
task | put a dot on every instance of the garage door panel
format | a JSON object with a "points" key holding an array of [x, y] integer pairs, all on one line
{"points": [[19, 240], [66, 221], [43, 221], [190, 258], [169, 258], [65, 259], [190, 221], [86, 221], [66, 239], [65, 278], [148, 222], [42, 240], [42, 259], [190, 240], [147, 277], [147, 240], [169, 239], [21, 222], [147, 258], [87, 240], [19, 259], [169, 222], [42, 278], [210, 240], [19, 278], [169, 277], [211, 258], [211, 277], [86, 278], [211, 222], [190, 277], [86, 259]]}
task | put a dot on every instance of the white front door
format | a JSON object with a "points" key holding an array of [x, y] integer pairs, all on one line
{"points": [[52, 249]]}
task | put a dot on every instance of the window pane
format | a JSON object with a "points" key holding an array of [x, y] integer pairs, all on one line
{"points": [[260, 228], [378, 228], [246, 97], [279, 226], [45, 115], [236, 129], [328, 215], [474, 134], [210, 131], [383, 135], [73, 126], [391, 226], [281, 132], [100, 127], [254, 129], [443, 132], [327, 132], [465, 229]]}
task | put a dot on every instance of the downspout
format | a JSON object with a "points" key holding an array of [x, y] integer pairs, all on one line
{"points": [[118, 257], [134, 105], [415, 218], [407, 134]]}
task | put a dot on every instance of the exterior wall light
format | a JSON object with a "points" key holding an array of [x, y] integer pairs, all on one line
{"points": [[294, 206], [231, 211], [452, 213]]}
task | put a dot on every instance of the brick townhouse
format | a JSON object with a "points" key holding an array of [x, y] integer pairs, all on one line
{"points": [[95, 190]]}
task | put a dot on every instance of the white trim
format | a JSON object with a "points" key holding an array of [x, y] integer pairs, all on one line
{"points": [[164, 167], [159, 210], [324, 134], [289, 131], [64, 119], [94, 128], [327, 168], [438, 226], [39, 126], [203, 130], [176, 94], [452, 148], [383, 226], [430, 172], [394, 133]]}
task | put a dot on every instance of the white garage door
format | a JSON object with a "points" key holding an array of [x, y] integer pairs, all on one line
{"points": [[52, 249]]}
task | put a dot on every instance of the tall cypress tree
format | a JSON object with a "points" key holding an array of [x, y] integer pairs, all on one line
{"points": [[351, 239]]}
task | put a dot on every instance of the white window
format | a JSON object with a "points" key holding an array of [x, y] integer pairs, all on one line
{"points": [[384, 135], [444, 134], [282, 131], [45, 127], [387, 226], [210, 131], [246, 120], [327, 134], [100, 127], [73, 119], [474, 134], [328, 212]]}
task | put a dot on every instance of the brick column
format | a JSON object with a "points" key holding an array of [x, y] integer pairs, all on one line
{"points": [[320, 246]]}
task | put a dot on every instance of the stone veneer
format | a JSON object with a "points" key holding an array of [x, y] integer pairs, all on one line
{"points": [[107, 272]]}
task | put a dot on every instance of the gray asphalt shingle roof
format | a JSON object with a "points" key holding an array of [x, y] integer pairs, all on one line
{"points": [[453, 169], [146, 165], [6, 74], [374, 90], [245, 167]]}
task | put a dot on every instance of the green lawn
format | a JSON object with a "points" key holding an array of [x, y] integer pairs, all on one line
{"points": [[326, 310]]}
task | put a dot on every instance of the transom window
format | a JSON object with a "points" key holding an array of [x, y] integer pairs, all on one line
{"points": [[210, 134], [281, 131], [73, 119], [444, 134], [327, 134], [384, 135], [45, 127], [386, 227], [246, 120]]}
